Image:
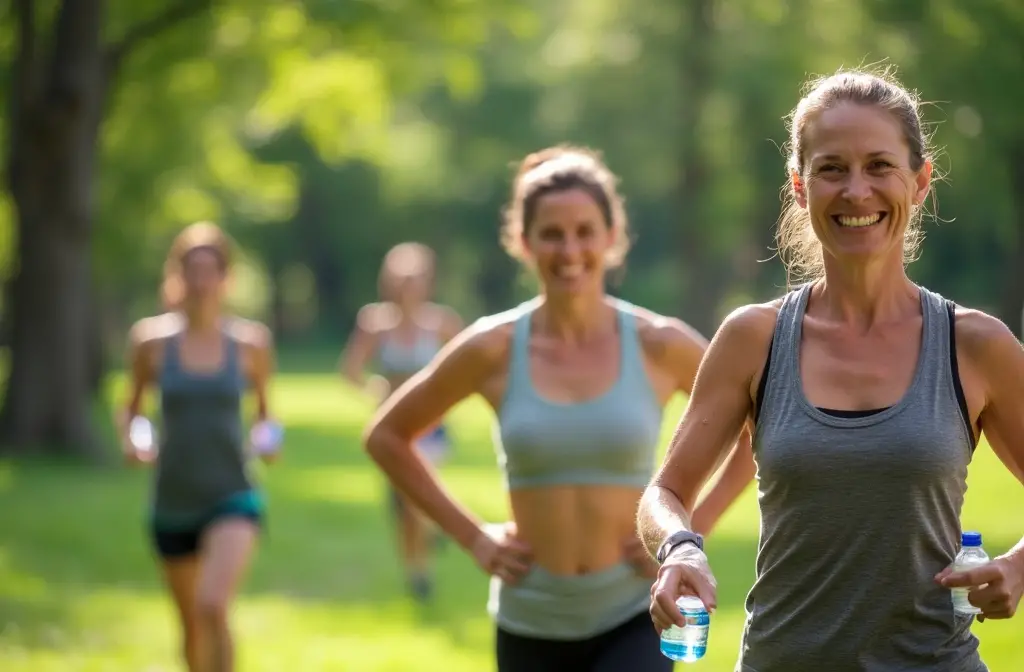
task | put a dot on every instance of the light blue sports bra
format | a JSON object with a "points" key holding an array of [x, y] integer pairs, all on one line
{"points": [[396, 359], [608, 440]]}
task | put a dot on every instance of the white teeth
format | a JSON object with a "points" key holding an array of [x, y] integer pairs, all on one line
{"points": [[845, 220]]}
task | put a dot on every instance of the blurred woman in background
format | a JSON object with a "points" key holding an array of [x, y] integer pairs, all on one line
{"points": [[206, 510], [397, 337], [578, 381]]}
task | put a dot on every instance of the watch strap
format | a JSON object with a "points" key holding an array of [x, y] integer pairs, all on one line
{"points": [[677, 539]]}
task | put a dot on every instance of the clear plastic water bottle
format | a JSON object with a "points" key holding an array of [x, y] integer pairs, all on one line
{"points": [[266, 437], [690, 642], [971, 555], [142, 436]]}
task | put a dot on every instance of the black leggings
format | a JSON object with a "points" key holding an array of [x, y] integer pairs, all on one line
{"points": [[630, 647]]}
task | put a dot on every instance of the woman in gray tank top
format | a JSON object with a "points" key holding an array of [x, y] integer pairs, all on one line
{"points": [[577, 381], [864, 429], [396, 338], [205, 510]]}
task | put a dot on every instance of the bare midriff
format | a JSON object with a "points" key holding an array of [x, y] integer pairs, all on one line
{"points": [[573, 529]]}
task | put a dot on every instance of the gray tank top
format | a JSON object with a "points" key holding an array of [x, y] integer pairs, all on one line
{"points": [[202, 460], [858, 514]]}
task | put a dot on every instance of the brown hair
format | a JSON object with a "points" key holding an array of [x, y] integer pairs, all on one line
{"points": [[558, 169], [201, 235], [799, 248], [408, 258]]}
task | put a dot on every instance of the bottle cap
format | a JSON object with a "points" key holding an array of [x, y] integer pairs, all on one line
{"points": [[690, 603], [970, 539]]}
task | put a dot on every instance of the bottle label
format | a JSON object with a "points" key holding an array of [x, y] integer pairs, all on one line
{"points": [[698, 618]]}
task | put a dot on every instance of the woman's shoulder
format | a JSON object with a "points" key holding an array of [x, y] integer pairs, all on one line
{"points": [[440, 319], [491, 336], [249, 333], [154, 331], [751, 323]]}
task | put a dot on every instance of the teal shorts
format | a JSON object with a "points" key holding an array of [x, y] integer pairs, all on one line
{"points": [[179, 537]]}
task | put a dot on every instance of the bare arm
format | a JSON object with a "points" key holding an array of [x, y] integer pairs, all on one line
{"points": [[261, 366], [360, 349], [996, 357], [740, 469], [686, 355], [139, 362], [139, 369], [718, 409], [457, 372]]}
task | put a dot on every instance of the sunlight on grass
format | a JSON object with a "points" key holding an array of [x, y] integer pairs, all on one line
{"points": [[79, 591], [356, 485]]}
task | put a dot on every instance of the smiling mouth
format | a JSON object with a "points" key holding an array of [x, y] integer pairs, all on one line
{"points": [[859, 222], [569, 272]]}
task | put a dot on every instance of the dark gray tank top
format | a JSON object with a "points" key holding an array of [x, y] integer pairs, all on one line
{"points": [[202, 459], [858, 514]]}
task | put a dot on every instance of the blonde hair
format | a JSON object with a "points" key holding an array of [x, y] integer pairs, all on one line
{"points": [[562, 168], [200, 235], [797, 244]]}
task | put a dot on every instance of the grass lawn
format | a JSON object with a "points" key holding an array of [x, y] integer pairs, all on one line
{"points": [[79, 591]]}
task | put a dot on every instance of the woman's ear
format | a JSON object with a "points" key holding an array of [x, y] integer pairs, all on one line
{"points": [[799, 189]]}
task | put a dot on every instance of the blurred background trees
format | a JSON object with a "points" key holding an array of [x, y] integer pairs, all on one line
{"points": [[321, 133]]}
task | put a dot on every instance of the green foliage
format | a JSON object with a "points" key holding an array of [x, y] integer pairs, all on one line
{"points": [[321, 133]]}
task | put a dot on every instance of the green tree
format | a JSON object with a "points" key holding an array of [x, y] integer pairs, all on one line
{"points": [[183, 112], [63, 72]]}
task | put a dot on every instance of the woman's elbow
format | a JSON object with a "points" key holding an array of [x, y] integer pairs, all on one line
{"points": [[375, 441], [382, 443]]}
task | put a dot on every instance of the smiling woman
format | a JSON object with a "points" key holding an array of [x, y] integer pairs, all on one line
{"points": [[578, 381], [866, 426], [879, 169]]}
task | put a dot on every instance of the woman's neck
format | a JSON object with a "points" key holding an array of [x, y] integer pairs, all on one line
{"points": [[866, 294], [202, 318], [576, 318]]}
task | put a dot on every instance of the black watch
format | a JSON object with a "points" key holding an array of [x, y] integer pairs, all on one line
{"points": [[675, 540]]}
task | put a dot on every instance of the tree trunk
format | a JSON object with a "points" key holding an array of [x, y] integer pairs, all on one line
{"points": [[53, 133], [58, 101], [703, 272], [1012, 304]]}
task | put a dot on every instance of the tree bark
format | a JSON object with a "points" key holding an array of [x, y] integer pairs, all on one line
{"points": [[1012, 304], [53, 138], [702, 269], [58, 101]]}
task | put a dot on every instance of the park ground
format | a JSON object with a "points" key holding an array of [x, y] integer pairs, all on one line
{"points": [[79, 591]]}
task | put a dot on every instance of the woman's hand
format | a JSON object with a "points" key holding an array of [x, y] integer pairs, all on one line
{"points": [[995, 587], [498, 552], [685, 572], [133, 454]]}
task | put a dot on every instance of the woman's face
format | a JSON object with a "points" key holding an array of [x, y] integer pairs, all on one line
{"points": [[568, 242], [410, 289], [203, 274], [859, 188]]}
